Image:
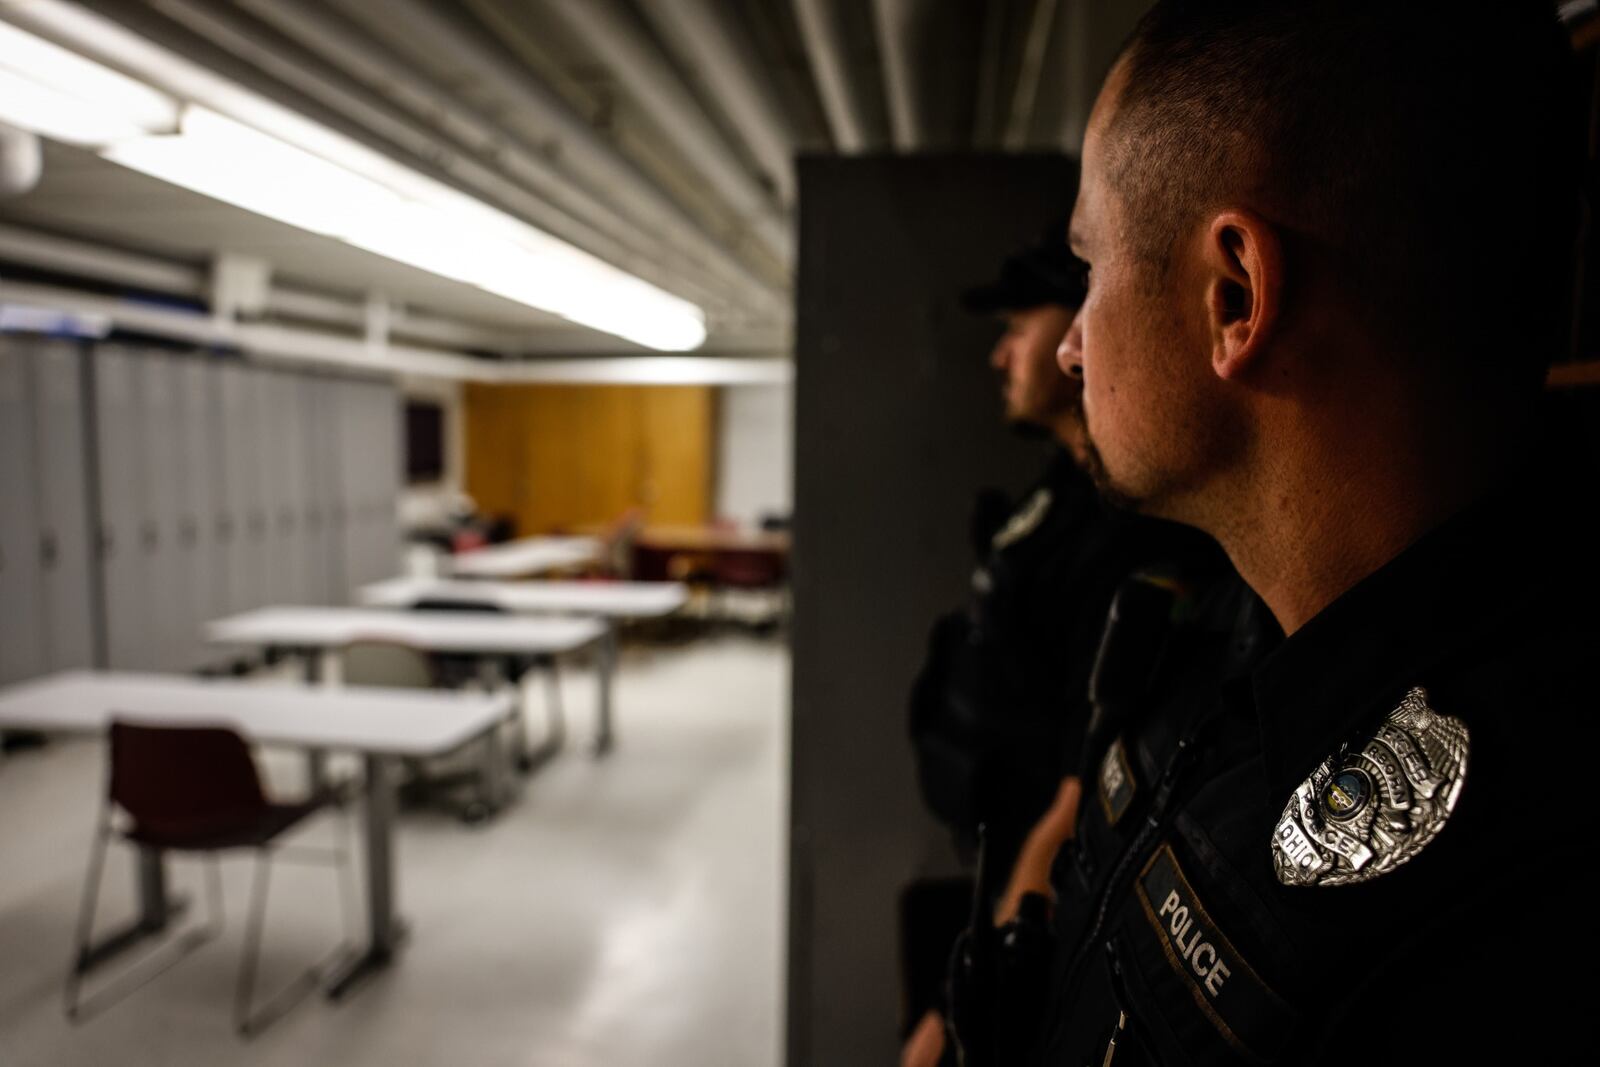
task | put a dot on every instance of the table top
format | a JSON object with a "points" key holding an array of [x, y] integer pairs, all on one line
{"points": [[626, 600], [525, 556], [398, 722], [712, 539], [428, 631]]}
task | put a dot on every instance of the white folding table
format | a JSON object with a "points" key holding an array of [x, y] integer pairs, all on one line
{"points": [[382, 725], [525, 556], [610, 602], [320, 634]]}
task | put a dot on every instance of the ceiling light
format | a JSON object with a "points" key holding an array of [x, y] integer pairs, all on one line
{"points": [[61, 95], [312, 178]]}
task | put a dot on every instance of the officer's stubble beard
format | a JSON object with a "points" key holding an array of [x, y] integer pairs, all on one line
{"points": [[1080, 443], [1092, 463]]}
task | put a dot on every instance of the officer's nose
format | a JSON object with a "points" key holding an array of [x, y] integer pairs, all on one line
{"points": [[1069, 353]]}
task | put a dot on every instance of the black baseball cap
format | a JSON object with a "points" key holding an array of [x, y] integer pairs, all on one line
{"points": [[1045, 272]]}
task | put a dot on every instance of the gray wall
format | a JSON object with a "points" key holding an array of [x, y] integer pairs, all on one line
{"points": [[896, 427]]}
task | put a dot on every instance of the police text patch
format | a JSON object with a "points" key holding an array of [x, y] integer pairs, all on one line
{"points": [[1249, 1016], [1117, 785]]}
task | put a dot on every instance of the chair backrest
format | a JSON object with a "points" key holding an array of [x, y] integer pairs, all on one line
{"points": [[386, 663], [480, 607], [749, 568], [180, 776]]}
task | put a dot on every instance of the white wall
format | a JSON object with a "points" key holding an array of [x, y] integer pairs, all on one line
{"points": [[755, 438]]}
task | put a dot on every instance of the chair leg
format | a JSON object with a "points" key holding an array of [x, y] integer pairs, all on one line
{"points": [[86, 910], [153, 965], [555, 712], [249, 1020], [250, 961]]}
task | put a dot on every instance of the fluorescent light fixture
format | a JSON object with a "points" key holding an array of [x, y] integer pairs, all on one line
{"points": [[651, 370], [59, 94], [229, 161], [352, 196]]}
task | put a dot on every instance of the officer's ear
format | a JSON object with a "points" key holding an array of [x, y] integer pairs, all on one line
{"points": [[1242, 260]]}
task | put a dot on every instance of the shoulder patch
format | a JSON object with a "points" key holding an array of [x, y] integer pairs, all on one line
{"points": [[1371, 807], [1117, 784], [1024, 520]]}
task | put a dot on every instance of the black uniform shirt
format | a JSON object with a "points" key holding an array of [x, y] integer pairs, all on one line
{"points": [[999, 710], [1170, 914]]}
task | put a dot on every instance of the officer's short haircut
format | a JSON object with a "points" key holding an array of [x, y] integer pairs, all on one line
{"points": [[1432, 150]]}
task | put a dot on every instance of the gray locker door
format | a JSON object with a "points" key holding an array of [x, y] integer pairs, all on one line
{"points": [[286, 474], [259, 521], [204, 511], [269, 474], [293, 462], [21, 651], [387, 478], [313, 522], [241, 488], [355, 436], [326, 479], [167, 613], [378, 498], [61, 464], [117, 424]]}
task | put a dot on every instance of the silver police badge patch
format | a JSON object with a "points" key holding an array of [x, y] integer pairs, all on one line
{"points": [[1365, 811]]}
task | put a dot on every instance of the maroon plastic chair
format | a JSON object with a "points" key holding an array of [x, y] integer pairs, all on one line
{"points": [[197, 790]]}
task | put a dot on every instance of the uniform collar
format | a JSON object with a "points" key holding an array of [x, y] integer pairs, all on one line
{"points": [[1356, 659]]}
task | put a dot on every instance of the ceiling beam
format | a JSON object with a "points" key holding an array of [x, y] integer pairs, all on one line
{"points": [[708, 45], [823, 38], [612, 34], [1029, 74], [897, 23], [461, 143], [581, 149]]}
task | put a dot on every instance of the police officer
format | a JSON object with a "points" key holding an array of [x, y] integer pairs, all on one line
{"points": [[999, 711], [1328, 242]]}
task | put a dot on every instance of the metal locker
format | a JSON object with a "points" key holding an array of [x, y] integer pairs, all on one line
{"points": [[280, 424], [204, 515], [330, 486], [242, 531], [353, 440], [357, 426], [320, 476], [387, 474], [269, 443], [258, 507], [160, 505], [61, 464], [121, 490], [376, 562], [293, 464], [21, 650]]}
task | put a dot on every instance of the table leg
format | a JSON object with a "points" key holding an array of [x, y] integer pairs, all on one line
{"points": [[606, 678], [385, 930], [313, 671]]}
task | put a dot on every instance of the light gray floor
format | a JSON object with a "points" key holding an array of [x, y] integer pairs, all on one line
{"points": [[625, 912]]}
